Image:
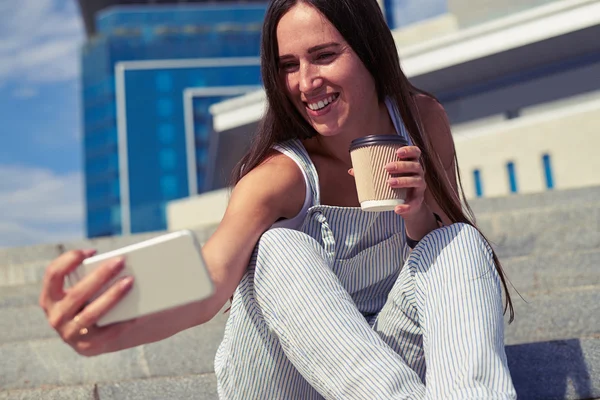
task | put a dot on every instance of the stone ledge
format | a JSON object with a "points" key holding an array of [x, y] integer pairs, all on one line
{"points": [[564, 369]]}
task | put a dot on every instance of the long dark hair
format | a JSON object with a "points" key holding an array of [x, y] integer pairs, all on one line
{"points": [[363, 26]]}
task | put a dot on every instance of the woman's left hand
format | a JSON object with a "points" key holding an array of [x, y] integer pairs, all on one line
{"points": [[408, 173]]}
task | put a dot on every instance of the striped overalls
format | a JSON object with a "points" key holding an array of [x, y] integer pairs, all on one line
{"points": [[339, 308]]}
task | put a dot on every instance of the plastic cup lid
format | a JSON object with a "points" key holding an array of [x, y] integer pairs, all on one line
{"points": [[377, 140]]}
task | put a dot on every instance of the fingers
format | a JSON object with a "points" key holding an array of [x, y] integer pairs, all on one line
{"points": [[410, 161], [416, 182], [409, 153], [79, 294], [404, 167], [102, 340], [412, 204], [82, 322], [54, 276], [351, 171]]}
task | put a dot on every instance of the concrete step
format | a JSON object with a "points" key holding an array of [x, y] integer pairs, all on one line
{"points": [[31, 354], [548, 309], [553, 271], [20, 295], [31, 254], [564, 369], [540, 272], [537, 231], [26, 265], [543, 316], [33, 363], [554, 198], [22, 274], [200, 387], [85, 392]]}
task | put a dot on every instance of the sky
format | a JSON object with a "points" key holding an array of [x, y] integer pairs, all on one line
{"points": [[41, 187]]}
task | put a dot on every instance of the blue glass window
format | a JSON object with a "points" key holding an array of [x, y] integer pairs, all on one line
{"points": [[201, 155], [116, 189], [168, 186], [165, 107], [164, 82], [512, 177], [166, 133], [548, 171], [478, 183], [115, 215], [168, 159]]}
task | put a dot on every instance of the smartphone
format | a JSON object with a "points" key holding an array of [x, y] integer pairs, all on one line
{"points": [[168, 272]]}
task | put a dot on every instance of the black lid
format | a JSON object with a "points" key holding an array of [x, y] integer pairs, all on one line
{"points": [[377, 139]]}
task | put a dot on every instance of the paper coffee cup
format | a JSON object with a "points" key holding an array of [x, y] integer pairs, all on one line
{"points": [[370, 155]]}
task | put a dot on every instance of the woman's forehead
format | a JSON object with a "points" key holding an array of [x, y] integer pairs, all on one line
{"points": [[303, 26]]}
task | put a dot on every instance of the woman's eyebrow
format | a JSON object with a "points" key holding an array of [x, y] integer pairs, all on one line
{"points": [[312, 49]]}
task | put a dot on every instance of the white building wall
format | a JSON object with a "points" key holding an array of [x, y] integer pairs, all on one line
{"points": [[570, 134]]}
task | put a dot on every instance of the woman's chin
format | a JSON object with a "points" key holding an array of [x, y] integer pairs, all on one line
{"points": [[326, 131]]}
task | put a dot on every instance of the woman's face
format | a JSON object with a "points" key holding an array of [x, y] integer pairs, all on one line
{"points": [[325, 79]]}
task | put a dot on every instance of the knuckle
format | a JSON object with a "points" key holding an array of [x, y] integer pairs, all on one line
{"points": [[55, 320], [52, 272], [73, 256]]}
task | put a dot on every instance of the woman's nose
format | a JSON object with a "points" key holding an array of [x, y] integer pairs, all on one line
{"points": [[310, 78]]}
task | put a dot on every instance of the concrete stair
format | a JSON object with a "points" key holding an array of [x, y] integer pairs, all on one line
{"points": [[549, 245]]}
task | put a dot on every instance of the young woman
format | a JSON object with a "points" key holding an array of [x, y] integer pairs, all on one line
{"points": [[330, 301]]}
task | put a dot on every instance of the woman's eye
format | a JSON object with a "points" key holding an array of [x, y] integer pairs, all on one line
{"points": [[325, 56], [288, 67]]}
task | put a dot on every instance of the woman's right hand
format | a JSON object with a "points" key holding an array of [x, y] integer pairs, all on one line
{"points": [[69, 311]]}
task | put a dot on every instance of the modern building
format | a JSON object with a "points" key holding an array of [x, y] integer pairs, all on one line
{"points": [[522, 92], [150, 72]]}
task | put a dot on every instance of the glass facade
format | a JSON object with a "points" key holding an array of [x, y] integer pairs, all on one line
{"points": [[159, 53], [401, 13]]}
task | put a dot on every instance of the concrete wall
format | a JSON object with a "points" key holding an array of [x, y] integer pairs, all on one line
{"points": [[199, 211], [569, 133]]}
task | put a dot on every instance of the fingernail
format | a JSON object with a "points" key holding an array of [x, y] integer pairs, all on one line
{"points": [[401, 152], [393, 181], [126, 282], [390, 167], [88, 252], [117, 264]]}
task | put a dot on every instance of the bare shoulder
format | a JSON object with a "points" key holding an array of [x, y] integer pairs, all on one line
{"points": [[437, 127], [275, 187]]}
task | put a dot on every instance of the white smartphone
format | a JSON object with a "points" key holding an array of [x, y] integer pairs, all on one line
{"points": [[168, 271]]}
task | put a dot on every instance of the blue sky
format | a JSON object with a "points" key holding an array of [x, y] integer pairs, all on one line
{"points": [[41, 189]]}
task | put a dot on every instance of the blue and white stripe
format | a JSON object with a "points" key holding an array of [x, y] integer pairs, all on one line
{"points": [[340, 309]]}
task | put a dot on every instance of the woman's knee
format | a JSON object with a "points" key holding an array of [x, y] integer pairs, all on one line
{"points": [[457, 233], [283, 252], [459, 244]]}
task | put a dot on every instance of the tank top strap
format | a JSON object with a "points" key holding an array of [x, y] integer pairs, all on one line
{"points": [[397, 119], [296, 151]]}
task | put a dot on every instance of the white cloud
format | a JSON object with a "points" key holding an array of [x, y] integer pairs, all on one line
{"points": [[25, 92], [39, 41], [39, 206]]}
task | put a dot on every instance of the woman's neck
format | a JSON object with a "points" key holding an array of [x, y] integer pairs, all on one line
{"points": [[337, 147]]}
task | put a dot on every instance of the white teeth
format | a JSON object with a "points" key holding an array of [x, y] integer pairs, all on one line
{"points": [[323, 103]]}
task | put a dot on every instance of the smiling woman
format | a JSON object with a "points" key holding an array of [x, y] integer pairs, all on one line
{"points": [[331, 301]]}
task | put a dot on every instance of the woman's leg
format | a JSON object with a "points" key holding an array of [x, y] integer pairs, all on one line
{"points": [[446, 310], [318, 326], [250, 363]]}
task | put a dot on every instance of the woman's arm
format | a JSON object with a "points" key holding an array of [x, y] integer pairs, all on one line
{"points": [[437, 128], [273, 190]]}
